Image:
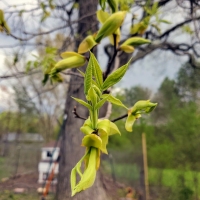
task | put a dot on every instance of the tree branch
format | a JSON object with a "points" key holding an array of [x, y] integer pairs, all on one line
{"points": [[118, 118], [76, 115]]}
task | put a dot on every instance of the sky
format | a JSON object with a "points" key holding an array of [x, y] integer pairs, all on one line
{"points": [[148, 72]]}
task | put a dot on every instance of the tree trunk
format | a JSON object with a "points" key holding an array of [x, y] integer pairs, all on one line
{"points": [[71, 150]]}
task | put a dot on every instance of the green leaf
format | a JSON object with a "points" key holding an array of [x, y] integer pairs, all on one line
{"points": [[88, 178], [143, 106], [88, 77], [104, 137], [83, 74], [101, 102], [73, 178], [129, 122], [92, 96], [86, 130], [115, 77], [83, 103], [114, 100], [104, 125], [97, 90], [114, 129], [92, 140], [97, 71]]}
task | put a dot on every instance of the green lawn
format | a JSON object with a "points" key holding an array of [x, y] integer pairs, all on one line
{"points": [[169, 178], [174, 178]]}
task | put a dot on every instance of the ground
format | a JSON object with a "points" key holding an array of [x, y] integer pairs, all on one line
{"points": [[29, 182]]}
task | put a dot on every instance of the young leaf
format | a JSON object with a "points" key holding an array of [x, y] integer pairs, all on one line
{"points": [[114, 129], [88, 77], [114, 100], [97, 90], [97, 71], [100, 103], [82, 73], [115, 77], [92, 140], [83, 103], [92, 96], [86, 130], [104, 125], [129, 122]]}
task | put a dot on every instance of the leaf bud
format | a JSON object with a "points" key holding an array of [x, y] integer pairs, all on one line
{"points": [[70, 60], [111, 25], [87, 44]]}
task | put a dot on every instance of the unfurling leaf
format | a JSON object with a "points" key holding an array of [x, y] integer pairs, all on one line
{"points": [[98, 75], [92, 140], [92, 96], [88, 77], [89, 175], [114, 100], [101, 102], [143, 106], [86, 129], [114, 129], [115, 77], [87, 44], [136, 111], [130, 121], [83, 103]]}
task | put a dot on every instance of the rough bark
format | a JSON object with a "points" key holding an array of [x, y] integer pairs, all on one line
{"points": [[71, 150]]}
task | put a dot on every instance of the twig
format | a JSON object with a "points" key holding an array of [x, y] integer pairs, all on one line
{"points": [[118, 118], [76, 115], [109, 66]]}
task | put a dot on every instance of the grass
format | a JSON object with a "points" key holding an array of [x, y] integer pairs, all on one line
{"points": [[174, 178], [169, 178]]}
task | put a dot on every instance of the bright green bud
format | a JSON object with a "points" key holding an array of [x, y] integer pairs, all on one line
{"points": [[71, 60], [143, 106], [1, 17], [102, 16], [3, 24], [129, 44], [113, 4], [136, 41], [111, 25], [127, 48], [136, 111], [87, 44]]}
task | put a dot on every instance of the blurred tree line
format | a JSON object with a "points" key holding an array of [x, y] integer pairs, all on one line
{"points": [[172, 131]]}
